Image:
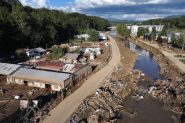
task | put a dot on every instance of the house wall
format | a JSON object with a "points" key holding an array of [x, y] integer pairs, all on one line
{"points": [[19, 81], [14, 80], [56, 87], [83, 73], [64, 84], [67, 82], [31, 84], [39, 85], [9, 80]]}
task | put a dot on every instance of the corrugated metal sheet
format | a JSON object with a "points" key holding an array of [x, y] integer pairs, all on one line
{"points": [[41, 76], [7, 69], [73, 56]]}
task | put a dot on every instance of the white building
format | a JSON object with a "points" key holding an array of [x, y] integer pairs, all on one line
{"points": [[36, 52], [134, 28], [83, 36], [102, 37]]}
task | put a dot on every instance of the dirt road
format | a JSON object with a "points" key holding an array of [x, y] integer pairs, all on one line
{"points": [[64, 110], [171, 56]]}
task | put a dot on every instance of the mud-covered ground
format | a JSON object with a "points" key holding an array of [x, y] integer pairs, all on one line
{"points": [[107, 102]]}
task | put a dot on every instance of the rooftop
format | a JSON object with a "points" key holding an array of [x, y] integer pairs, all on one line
{"points": [[7, 69], [39, 49], [71, 56], [41, 76], [50, 65]]}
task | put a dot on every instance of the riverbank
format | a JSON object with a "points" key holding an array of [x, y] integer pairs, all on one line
{"points": [[106, 103], [167, 68], [169, 90]]}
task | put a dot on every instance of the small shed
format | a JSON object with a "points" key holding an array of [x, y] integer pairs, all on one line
{"points": [[36, 52], [102, 37], [71, 58], [83, 36], [79, 71]]}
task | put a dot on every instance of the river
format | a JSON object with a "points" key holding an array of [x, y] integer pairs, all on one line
{"points": [[148, 110], [145, 62]]}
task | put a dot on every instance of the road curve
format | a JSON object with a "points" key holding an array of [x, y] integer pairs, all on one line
{"points": [[66, 108]]}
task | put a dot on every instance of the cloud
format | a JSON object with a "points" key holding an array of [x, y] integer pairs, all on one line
{"points": [[40, 3], [118, 9], [24, 2], [35, 3], [84, 4]]}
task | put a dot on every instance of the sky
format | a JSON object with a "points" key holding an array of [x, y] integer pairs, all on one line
{"points": [[137, 10]]}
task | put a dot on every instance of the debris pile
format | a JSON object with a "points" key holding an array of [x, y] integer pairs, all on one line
{"points": [[105, 104], [172, 94]]}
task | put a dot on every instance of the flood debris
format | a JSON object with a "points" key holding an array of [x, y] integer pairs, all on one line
{"points": [[103, 105], [171, 93], [106, 103]]}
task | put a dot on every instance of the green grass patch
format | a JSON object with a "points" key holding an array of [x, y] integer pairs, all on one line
{"points": [[182, 60]]}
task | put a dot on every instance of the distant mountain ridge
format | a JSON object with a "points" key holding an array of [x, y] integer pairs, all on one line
{"points": [[176, 21], [174, 16]]}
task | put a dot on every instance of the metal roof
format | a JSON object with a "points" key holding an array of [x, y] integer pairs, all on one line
{"points": [[40, 49], [7, 69], [68, 67], [71, 56], [41, 76]]}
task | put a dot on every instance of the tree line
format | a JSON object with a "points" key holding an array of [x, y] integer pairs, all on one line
{"points": [[177, 22], [26, 27]]}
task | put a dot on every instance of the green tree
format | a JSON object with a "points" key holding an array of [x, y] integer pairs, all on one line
{"points": [[183, 43], [141, 31], [159, 39], [164, 31], [20, 54], [23, 27], [94, 35], [122, 30], [56, 52], [65, 50], [153, 33], [178, 42]]}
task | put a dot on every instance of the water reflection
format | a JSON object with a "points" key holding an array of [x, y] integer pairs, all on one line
{"points": [[113, 33], [145, 61]]}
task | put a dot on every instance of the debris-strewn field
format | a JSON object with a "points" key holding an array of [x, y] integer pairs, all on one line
{"points": [[105, 104], [9, 104]]}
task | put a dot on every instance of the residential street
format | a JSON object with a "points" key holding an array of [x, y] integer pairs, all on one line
{"points": [[64, 110]]}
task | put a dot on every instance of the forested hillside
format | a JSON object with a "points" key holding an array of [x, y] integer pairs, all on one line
{"points": [[176, 22], [22, 27]]}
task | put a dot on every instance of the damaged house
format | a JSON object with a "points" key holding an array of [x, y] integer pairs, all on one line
{"points": [[41, 79]]}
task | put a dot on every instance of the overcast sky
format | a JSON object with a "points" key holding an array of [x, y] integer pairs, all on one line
{"points": [[115, 9]]}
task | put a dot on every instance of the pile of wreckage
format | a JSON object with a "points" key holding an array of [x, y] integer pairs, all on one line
{"points": [[103, 106], [171, 93]]}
